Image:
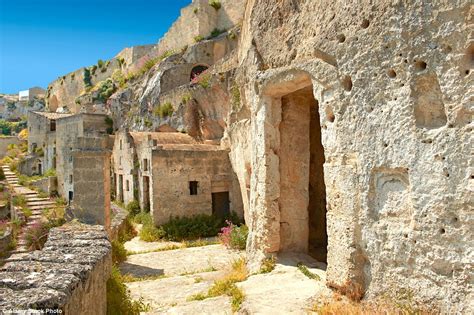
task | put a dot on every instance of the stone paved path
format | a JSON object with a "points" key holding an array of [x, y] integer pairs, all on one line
{"points": [[190, 271], [33, 202]]}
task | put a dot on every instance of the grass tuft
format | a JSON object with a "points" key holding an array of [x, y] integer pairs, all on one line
{"points": [[306, 272]]}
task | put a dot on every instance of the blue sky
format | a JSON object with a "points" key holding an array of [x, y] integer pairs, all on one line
{"points": [[42, 40]]}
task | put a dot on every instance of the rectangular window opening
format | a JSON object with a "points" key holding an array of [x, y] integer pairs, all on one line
{"points": [[193, 187]]}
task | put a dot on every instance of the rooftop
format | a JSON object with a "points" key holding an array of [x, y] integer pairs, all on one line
{"points": [[163, 137], [52, 116]]}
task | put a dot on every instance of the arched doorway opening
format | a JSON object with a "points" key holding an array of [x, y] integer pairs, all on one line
{"points": [[196, 71]]}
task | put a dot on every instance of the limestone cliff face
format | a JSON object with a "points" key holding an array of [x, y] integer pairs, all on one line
{"points": [[393, 82]]}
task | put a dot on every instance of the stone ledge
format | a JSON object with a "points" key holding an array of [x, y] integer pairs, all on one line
{"points": [[60, 272]]}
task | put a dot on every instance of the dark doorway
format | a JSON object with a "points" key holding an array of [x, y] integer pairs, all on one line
{"points": [[40, 169], [318, 238], [302, 190], [146, 193], [221, 204], [120, 187], [196, 71], [70, 197]]}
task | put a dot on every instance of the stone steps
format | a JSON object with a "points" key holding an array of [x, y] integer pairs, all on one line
{"points": [[40, 203], [34, 199], [42, 207]]}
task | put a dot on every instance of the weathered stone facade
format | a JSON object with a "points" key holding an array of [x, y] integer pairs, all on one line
{"points": [[192, 179], [42, 141], [69, 130], [69, 273], [6, 141], [91, 181], [388, 85]]}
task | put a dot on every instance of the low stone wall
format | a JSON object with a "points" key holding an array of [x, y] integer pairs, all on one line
{"points": [[5, 241], [47, 184], [118, 221], [5, 141], [68, 274], [4, 209]]}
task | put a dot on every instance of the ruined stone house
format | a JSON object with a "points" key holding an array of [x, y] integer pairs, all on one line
{"points": [[129, 149], [172, 175], [41, 142]]}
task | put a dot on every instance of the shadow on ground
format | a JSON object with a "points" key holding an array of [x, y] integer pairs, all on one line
{"points": [[139, 271]]}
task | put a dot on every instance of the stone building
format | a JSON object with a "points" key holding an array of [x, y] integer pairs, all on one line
{"points": [[69, 130], [172, 175], [190, 179], [41, 142], [31, 93]]}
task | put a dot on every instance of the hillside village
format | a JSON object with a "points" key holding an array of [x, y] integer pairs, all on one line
{"points": [[262, 157]]}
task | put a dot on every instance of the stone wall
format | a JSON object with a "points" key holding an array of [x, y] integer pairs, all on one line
{"points": [[69, 129], [392, 82], [91, 182], [5, 142], [200, 19], [5, 241], [47, 184], [123, 157], [69, 273], [175, 166]]}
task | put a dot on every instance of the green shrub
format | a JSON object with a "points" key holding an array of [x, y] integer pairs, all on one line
{"points": [[19, 201], [186, 98], [216, 4], [235, 93], [150, 233], [133, 208], [164, 110], [27, 212], [198, 38], [268, 264], [87, 78], [143, 218], [216, 32], [147, 122], [127, 232], [100, 63], [105, 89], [204, 80], [2, 174], [238, 237], [196, 10], [118, 297], [306, 271], [119, 78], [50, 173], [166, 54], [119, 253], [36, 235], [185, 228]]}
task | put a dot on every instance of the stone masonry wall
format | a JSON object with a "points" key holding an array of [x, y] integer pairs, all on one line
{"points": [[173, 169], [69, 273], [5, 142]]}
